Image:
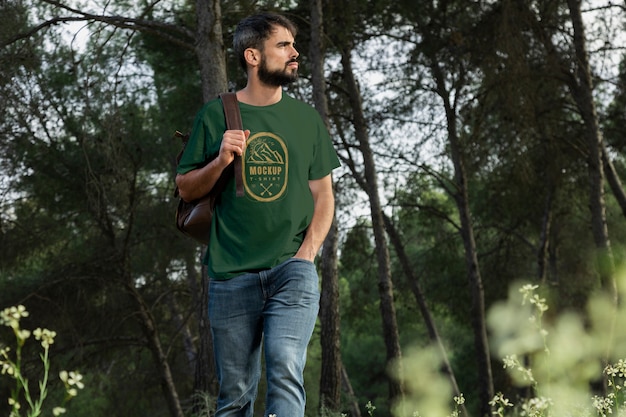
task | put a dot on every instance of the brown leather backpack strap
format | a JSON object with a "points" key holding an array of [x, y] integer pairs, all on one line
{"points": [[233, 122]]}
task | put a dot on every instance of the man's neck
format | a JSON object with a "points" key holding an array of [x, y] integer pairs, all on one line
{"points": [[257, 94]]}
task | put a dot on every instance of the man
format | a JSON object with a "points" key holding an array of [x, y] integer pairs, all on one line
{"points": [[264, 285]]}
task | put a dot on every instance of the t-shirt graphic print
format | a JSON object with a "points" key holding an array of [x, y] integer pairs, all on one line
{"points": [[265, 167]]}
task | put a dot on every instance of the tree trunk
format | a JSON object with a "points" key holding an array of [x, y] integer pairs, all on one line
{"points": [[149, 328], [330, 378], [581, 88], [355, 411], [461, 198], [205, 378], [182, 327], [209, 49], [481, 343], [613, 179], [394, 236], [385, 285], [544, 239]]}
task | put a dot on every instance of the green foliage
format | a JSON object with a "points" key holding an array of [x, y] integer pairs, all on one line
{"points": [[615, 118], [362, 347], [92, 182], [552, 361], [428, 222]]}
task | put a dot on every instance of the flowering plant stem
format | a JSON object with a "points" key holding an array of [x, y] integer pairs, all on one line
{"points": [[22, 383], [72, 381]]}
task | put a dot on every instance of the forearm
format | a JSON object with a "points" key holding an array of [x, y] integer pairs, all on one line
{"points": [[323, 213], [197, 183]]}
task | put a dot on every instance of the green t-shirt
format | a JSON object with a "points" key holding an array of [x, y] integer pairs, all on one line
{"points": [[288, 146]]}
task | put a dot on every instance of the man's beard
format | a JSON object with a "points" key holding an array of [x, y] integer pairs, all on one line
{"points": [[277, 78]]}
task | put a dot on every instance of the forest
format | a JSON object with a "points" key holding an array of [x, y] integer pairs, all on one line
{"points": [[475, 266]]}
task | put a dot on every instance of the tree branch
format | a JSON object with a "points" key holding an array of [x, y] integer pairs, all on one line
{"points": [[178, 35]]}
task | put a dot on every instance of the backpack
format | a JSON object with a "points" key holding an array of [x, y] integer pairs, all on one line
{"points": [[194, 218]]}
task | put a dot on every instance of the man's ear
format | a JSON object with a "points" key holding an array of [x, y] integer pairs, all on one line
{"points": [[252, 56]]}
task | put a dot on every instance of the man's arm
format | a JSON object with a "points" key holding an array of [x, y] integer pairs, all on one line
{"points": [[198, 182], [323, 212]]}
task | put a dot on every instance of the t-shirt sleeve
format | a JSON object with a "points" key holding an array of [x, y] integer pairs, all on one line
{"points": [[325, 158], [203, 141], [194, 155]]}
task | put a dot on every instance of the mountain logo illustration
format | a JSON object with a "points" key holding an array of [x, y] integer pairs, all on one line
{"points": [[265, 167]]}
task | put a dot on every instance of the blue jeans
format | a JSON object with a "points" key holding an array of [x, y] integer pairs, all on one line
{"points": [[276, 308]]}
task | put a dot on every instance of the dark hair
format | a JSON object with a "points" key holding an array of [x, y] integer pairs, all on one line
{"points": [[252, 31]]}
